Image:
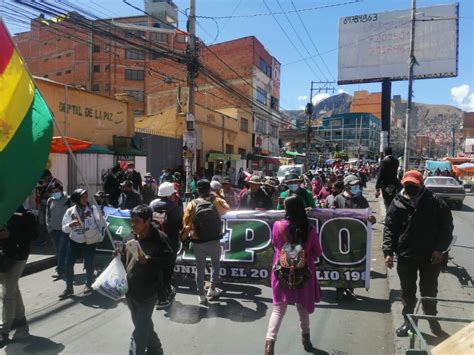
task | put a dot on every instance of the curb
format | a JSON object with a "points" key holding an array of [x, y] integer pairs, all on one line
{"points": [[39, 265]]}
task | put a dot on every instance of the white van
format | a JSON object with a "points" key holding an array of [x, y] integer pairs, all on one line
{"points": [[287, 169]]}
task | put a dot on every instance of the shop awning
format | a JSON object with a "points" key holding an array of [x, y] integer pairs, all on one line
{"points": [[294, 154], [58, 145], [96, 149], [223, 157], [128, 151]]}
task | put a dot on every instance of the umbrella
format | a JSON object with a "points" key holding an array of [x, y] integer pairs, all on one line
{"points": [[58, 145]]}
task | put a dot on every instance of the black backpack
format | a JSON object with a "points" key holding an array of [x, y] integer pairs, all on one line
{"points": [[207, 224]]}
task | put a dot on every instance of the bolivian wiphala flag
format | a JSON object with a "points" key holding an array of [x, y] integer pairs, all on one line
{"points": [[25, 129]]}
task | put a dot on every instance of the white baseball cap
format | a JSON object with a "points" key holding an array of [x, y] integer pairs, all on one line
{"points": [[216, 185], [166, 189]]}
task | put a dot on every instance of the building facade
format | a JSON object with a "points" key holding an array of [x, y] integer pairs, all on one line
{"points": [[363, 101], [358, 134]]}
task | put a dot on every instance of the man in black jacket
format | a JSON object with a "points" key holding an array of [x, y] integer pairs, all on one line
{"points": [[255, 197], [144, 276], [387, 180], [128, 198], [418, 228]]}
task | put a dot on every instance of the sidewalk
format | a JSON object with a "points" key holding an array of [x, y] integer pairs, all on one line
{"points": [[41, 258], [449, 288]]}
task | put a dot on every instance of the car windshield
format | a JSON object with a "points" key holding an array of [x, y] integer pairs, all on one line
{"points": [[288, 169], [440, 181]]}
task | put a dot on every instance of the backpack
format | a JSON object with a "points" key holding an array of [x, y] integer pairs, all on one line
{"points": [[207, 223], [291, 269]]}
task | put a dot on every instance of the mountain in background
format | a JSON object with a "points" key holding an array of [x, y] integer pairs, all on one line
{"points": [[435, 121]]}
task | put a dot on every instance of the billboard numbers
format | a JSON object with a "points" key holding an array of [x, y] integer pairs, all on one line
{"points": [[376, 46]]}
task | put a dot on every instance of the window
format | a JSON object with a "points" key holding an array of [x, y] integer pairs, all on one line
{"points": [[134, 54], [154, 55], [181, 38], [68, 71], [45, 76], [107, 87], [261, 96], [58, 73], [96, 48], [107, 67], [96, 87], [274, 130], [242, 153], [267, 69], [141, 23], [137, 113], [259, 125], [229, 149], [131, 74], [137, 94], [274, 104], [244, 125], [159, 37], [96, 68]]}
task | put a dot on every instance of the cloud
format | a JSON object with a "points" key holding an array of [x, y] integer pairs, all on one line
{"points": [[301, 98], [301, 108], [463, 97], [319, 97], [341, 91]]}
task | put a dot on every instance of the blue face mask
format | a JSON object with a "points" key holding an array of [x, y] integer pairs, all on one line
{"points": [[293, 187], [56, 195], [355, 189]]}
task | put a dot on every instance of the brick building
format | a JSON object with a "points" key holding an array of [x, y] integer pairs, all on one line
{"points": [[363, 101]]}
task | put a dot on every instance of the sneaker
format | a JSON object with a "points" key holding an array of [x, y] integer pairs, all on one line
{"points": [[213, 293], [87, 290], [403, 330], [66, 294], [202, 299], [162, 304]]}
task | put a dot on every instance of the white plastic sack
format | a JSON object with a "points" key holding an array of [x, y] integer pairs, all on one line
{"points": [[112, 282]]}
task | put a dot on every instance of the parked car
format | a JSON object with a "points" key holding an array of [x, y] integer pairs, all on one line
{"points": [[448, 188], [286, 169]]}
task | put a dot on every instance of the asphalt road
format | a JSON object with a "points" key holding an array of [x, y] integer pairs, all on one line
{"points": [[236, 324]]}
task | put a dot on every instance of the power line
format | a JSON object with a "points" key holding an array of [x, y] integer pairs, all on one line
{"points": [[301, 41], [312, 41], [283, 12], [289, 40]]}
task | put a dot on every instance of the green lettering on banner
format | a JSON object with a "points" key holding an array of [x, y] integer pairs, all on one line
{"points": [[344, 241], [245, 237]]}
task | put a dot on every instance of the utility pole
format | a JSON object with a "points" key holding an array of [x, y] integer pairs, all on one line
{"points": [[189, 153], [412, 61], [326, 86], [453, 130]]}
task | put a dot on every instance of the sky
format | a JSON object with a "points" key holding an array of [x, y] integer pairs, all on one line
{"points": [[322, 25]]}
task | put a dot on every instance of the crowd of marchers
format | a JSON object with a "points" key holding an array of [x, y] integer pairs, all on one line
{"points": [[418, 230]]}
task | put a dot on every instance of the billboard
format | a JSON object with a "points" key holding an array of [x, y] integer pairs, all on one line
{"points": [[376, 46]]}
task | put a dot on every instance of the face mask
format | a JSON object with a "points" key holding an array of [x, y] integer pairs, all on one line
{"points": [[412, 190], [355, 189], [293, 187], [56, 195]]}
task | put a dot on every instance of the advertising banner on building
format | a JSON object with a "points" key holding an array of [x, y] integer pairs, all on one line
{"points": [[247, 253], [376, 46]]}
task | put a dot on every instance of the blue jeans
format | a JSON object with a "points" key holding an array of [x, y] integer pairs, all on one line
{"points": [[74, 251], [144, 338], [61, 241]]}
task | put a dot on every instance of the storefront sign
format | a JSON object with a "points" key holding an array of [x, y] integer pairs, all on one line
{"points": [[224, 157], [78, 110], [247, 256]]}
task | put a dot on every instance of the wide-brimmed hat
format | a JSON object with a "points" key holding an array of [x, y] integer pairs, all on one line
{"points": [[413, 176], [255, 180], [166, 189], [148, 175], [227, 180], [101, 194], [271, 182]]}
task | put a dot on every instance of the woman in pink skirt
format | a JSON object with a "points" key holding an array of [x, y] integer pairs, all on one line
{"points": [[294, 229]]}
